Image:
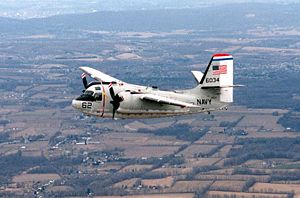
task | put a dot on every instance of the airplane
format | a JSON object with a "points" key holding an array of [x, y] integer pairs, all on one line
{"points": [[108, 97]]}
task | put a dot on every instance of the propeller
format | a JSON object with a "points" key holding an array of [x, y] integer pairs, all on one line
{"points": [[84, 81], [116, 100]]}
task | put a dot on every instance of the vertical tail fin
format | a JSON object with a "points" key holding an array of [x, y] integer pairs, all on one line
{"points": [[219, 72]]}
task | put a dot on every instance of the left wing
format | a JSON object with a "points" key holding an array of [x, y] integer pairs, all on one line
{"points": [[165, 100], [98, 75]]}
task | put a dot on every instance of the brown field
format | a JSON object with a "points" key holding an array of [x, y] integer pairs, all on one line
{"points": [[272, 134], [19, 125], [230, 117], [228, 185], [196, 149], [36, 146], [196, 162], [35, 153], [136, 125], [177, 195], [277, 170], [173, 171], [138, 139], [71, 131], [276, 188], [216, 138], [221, 194], [241, 110], [286, 182], [223, 171], [223, 151], [254, 163], [60, 188], [25, 132], [262, 178], [35, 177], [265, 163], [7, 149], [149, 151], [128, 183], [189, 186], [163, 182], [269, 122], [220, 163], [108, 167], [135, 168]]}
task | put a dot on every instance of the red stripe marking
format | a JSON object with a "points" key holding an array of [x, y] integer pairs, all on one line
{"points": [[217, 55], [103, 100]]}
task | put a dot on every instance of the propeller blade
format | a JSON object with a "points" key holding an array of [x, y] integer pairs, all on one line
{"points": [[116, 99], [112, 92], [114, 112]]}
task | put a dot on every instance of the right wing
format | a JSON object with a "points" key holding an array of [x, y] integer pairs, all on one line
{"points": [[98, 75]]}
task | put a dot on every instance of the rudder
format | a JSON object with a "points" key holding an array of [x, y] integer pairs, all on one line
{"points": [[219, 72]]}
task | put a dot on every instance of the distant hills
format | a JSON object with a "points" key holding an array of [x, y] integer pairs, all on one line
{"points": [[229, 17], [40, 9]]}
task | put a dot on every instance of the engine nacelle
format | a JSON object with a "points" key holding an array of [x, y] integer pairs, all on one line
{"points": [[131, 100]]}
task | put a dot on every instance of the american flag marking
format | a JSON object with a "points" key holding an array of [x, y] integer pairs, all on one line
{"points": [[219, 69]]}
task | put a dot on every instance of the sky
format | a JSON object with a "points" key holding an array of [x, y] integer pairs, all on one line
{"points": [[23, 9]]}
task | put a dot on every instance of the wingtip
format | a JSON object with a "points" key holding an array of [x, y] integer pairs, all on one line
{"points": [[82, 67]]}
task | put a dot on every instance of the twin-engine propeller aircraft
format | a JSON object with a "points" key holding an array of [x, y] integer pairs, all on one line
{"points": [[108, 97]]}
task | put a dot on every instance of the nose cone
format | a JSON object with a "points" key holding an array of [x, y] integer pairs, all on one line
{"points": [[75, 104]]}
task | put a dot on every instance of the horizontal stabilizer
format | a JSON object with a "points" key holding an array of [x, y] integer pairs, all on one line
{"points": [[198, 75]]}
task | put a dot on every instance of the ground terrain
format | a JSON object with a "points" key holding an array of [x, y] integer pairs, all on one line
{"points": [[49, 149]]}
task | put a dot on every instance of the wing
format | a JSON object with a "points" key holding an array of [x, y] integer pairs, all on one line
{"points": [[98, 75], [165, 100]]}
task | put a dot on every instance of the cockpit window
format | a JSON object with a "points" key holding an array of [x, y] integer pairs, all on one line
{"points": [[87, 96], [88, 92]]}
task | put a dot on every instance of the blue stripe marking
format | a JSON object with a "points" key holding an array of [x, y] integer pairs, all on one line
{"points": [[222, 59]]}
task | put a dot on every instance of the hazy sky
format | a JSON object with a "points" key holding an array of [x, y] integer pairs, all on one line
{"points": [[43, 8]]}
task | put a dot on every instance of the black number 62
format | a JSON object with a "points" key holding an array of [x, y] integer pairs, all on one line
{"points": [[86, 105]]}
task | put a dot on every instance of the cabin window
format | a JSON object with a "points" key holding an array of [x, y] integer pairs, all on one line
{"points": [[98, 96]]}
